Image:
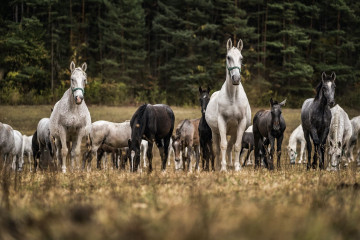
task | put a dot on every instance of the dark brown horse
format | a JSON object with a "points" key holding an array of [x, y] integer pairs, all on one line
{"points": [[154, 123], [205, 133], [269, 124]]}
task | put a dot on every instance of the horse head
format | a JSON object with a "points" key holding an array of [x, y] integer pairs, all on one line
{"points": [[78, 81], [335, 150], [328, 87], [177, 145], [292, 154], [276, 113], [233, 61], [204, 98]]}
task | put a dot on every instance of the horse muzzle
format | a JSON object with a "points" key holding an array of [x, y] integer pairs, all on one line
{"points": [[236, 79], [79, 99]]}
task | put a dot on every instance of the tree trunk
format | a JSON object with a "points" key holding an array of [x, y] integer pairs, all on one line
{"points": [[71, 24], [264, 42]]}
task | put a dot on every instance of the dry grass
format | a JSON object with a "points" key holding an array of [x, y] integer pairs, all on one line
{"points": [[285, 204]]}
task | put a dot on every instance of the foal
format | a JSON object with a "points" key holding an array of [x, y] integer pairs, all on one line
{"points": [[269, 124], [205, 132]]}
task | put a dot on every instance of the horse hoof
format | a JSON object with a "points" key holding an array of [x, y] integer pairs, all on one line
{"points": [[237, 167], [223, 169], [64, 170]]}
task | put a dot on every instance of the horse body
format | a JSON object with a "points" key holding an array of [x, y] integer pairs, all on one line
{"points": [[339, 136], [27, 148], [103, 150], [70, 120], [296, 136], [228, 112], [17, 151], [316, 118], [187, 136], [355, 124], [46, 148], [154, 123], [115, 135], [7, 141], [269, 124], [205, 133]]}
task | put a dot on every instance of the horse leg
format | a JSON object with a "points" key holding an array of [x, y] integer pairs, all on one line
{"points": [[166, 149], [316, 141], [144, 150], [75, 149], [230, 148], [308, 148], [99, 155], [149, 154], [302, 151], [223, 142], [197, 156], [278, 149], [189, 157], [241, 152], [212, 155]]}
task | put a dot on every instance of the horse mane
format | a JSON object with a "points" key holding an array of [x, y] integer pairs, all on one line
{"points": [[138, 114], [318, 90], [81, 70]]}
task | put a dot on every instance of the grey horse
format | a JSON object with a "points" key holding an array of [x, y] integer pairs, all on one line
{"points": [[7, 141], [316, 118], [46, 147], [70, 120]]}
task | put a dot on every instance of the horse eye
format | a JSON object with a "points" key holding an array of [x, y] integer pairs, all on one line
{"points": [[228, 58]]}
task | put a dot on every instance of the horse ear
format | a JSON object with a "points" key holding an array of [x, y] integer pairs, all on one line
{"points": [[333, 76], [323, 76], [72, 66], [200, 90], [84, 66], [282, 103], [240, 45], [208, 89], [271, 101], [229, 44]]}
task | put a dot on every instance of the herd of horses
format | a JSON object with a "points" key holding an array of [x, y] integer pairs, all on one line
{"points": [[224, 127]]}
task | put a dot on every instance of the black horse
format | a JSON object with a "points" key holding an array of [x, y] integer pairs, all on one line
{"points": [[269, 124], [205, 132], [316, 118], [35, 147], [152, 123], [247, 143]]}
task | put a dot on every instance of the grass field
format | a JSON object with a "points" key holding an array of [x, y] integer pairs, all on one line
{"points": [[290, 203]]}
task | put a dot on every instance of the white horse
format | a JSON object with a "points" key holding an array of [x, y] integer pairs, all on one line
{"points": [[115, 135], [339, 136], [355, 123], [70, 120], [27, 148], [17, 151], [297, 136], [228, 112], [7, 142]]}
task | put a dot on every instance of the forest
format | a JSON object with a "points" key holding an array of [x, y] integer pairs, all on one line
{"points": [[161, 51]]}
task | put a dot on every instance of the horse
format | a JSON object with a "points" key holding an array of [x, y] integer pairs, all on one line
{"points": [[152, 123], [115, 135], [228, 111], [271, 125], [355, 123], [143, 149], [339, 136], [247, 143], [27, 148], [17, 151], [296, 136], [70, 119], [316, 118], [187, 136], [205, 133], [46, 148], [102, 152], [7, 142]]}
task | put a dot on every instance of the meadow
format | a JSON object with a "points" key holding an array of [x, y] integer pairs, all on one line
{"points": [[290, 203]]}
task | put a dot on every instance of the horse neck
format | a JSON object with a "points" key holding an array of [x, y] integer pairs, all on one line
{"points": [[293, 141], [233, 91], [322, 102]]}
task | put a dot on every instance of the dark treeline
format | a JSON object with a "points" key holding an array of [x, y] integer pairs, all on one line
{"points": [[162, 50]]}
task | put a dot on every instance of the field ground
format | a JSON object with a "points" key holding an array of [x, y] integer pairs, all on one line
{"points": [[290, 203]]}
